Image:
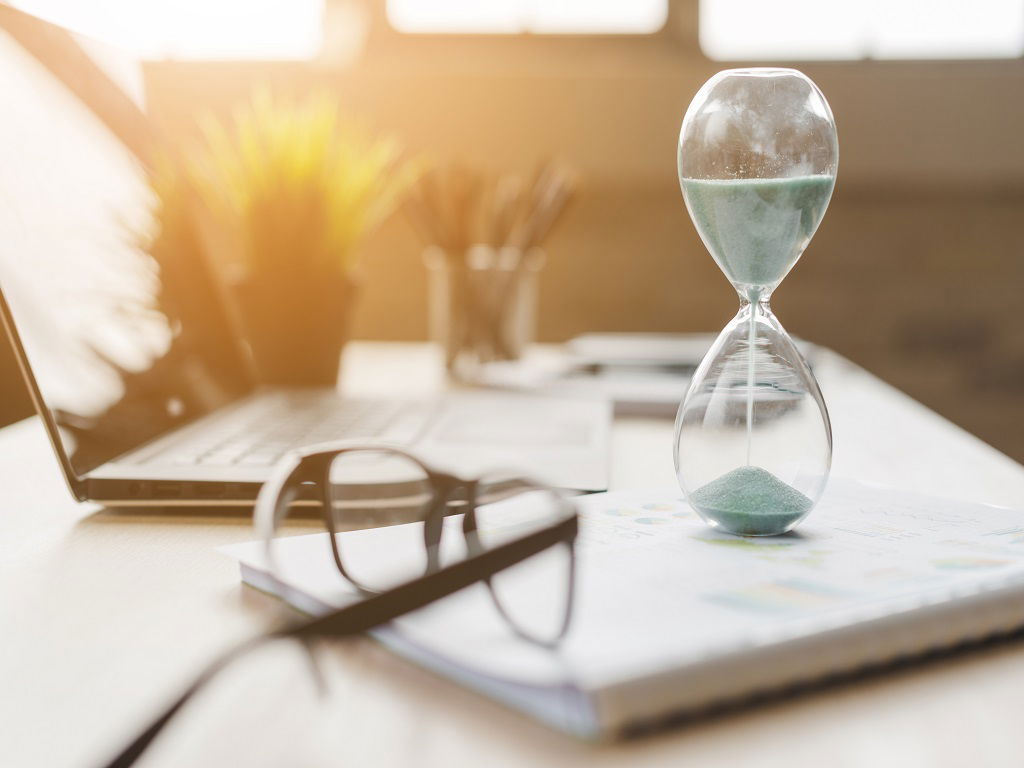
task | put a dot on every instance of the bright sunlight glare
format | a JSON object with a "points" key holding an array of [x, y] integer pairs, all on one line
{"points": [[518, 16], [746, 30], [193, 29]]}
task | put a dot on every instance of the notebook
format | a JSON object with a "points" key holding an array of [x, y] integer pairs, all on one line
{"points": [[672, 617]]}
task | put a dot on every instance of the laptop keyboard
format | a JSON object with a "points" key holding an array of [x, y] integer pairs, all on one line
{"points": [[259, 436]]}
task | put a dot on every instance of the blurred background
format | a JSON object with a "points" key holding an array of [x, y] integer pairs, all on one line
{"points": [[916, 272]]}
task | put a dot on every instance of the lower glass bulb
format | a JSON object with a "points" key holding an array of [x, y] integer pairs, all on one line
{"points": [[753, 442]]}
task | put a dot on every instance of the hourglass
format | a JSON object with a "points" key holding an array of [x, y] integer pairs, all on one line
{"points": [[757, 163]]}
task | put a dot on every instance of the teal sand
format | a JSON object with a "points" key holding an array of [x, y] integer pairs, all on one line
{"points": [[750, 501], [757, 228]]}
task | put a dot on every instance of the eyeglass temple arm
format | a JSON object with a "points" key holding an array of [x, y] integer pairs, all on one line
{"points": [[369, 613], [134, 751], [379, 609]]}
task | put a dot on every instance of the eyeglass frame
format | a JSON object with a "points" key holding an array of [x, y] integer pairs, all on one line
{"points": [[377, 609], [268, 514]]}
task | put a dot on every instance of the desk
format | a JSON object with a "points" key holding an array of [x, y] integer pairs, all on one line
{"points": [[104, 616]]}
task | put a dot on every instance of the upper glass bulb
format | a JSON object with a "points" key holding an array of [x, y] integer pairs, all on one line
{"points": [[757, 162]]}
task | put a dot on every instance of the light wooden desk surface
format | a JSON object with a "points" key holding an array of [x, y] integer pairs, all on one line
{"points": [[105, 616]]}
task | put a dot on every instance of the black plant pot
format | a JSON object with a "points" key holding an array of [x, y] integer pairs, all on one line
{"points": [[296, 325]]}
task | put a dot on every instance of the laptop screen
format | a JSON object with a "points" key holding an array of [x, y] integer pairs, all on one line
{"points": [[124, 346]]}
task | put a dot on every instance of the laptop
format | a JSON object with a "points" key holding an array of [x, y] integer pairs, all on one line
{"points": [[143, 384]]}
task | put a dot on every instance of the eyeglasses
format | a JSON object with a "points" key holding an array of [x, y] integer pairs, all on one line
{"points": [[515, 535]]}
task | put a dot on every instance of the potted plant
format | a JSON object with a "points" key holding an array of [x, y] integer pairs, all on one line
{"points": [[291, 189]]}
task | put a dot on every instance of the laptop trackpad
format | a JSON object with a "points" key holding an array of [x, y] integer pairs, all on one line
{"points": [[562, 441], [506, 429]]}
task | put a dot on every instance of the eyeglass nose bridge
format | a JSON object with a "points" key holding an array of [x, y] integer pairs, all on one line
{"points": [[445, 488]]}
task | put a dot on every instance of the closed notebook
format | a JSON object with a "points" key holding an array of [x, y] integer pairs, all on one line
{"points": [[672, 617]]}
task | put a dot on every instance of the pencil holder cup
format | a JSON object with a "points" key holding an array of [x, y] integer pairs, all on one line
{"points": [[482, 307]]}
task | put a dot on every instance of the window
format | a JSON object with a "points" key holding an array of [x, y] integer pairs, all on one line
{"points": [[194, 29], [743, 30], [570, 17]]}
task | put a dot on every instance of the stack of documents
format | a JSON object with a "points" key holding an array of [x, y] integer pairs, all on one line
{"points": [[672, 617], [643, 374]]}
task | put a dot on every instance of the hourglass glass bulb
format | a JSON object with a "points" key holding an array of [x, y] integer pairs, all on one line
{"points": [[757, 161]]}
